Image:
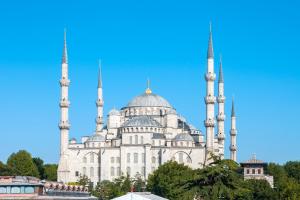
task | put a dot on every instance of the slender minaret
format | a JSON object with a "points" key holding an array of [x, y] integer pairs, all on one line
{"points": [[99, 103], [233, 132], [210, 99], [64, 126], [221, 113]]}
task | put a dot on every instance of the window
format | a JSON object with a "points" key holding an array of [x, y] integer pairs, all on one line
{"points": [[84, 159], [180, 157], [92, 158], [112, 160], [153, 159], [143, 171], [135, 158], [92, 172], [112, 171], [259, 171], [118, 171], [77, 173], [84, 171], [2, 190], [130, 139], [142, 140], [135, 139], [128, 170], [248, 171], [118, 160], [143, 157], [159, 142], [15, 190], [128, 157], [253, 171]]}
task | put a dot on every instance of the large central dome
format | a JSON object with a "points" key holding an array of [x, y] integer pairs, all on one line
{"points": [[149, 100]]}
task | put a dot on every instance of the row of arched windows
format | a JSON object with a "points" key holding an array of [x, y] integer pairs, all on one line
{"points": [[91, 158], [145, 111], [141, 129], [91, 172], [136, 139]]}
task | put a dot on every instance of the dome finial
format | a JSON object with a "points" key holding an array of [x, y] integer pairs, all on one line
{"points": [[148, 90]]}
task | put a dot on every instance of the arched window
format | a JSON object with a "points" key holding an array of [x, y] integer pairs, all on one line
{"points": [[143, 157], [130, 139], [153, 159], [253, 171], [92, 172], [112, 160], [135, 157], [128, 157], [142, 139], [118, 171], [84, 171], [135, 139], [92, 158], [84, 159], [259, 171], [112, 171], [248, 171], [128, 170]]}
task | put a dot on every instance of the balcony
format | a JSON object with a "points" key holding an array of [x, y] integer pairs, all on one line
{"points": [[210, 76], [64, 103], [233, 132], [209, 123], [64, 125], [99, 102], [64, 82], [221, 117], [221, 99], [99, 120], [232, 148], [210, 99]]}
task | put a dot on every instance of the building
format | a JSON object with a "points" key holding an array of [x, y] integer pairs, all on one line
{"points": [[145, 133], [26, 187], [139, 196], [255, 169]]}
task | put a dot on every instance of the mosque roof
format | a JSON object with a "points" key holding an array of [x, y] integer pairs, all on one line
{"points": [[149, 100], [183, 137], [158, 136], [114, 112], [96, 138], [141, 121]]}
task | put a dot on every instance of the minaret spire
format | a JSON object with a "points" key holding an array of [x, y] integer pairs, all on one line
{"points": [[210, 99], [99, 102], [233, 132], [221, 112], [64, 126], [148, 90]]}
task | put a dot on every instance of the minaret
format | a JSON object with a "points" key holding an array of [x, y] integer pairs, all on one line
{"points": [[233, 132], [210, 99], [221, 113], [64, 126], [99, 103]]}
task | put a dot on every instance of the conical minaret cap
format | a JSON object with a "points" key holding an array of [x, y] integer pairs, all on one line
{"points": [[210, 50], [232, 109], [65, 52], [100, 75], [221, 79]]}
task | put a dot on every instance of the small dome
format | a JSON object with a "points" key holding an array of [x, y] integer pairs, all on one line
{"points": [[114, 112], [141, 121], [183, 137], [171, 111], [158, 136], [149, 100], [96, 138]]}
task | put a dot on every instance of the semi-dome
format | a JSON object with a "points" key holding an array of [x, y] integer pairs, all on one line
{"points": [[141, 121], [183, 137], [149, 100], [96, 138], [114, 112]]}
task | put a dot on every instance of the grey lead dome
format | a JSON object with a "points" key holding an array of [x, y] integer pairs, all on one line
{"points": [[149, 100], [141, 121], [183, 137]]}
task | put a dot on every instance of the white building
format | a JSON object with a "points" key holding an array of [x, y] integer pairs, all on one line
{"points": [[142, 135], [139, 196]]}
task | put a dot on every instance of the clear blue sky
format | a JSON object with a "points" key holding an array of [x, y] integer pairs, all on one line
{"points": [[163, 40]]}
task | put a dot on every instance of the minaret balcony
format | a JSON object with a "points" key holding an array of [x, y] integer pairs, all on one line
{"points": [[64, 103], [221, 99], [99, 103], [221, 117], [233, 132], [232, 148], [221, 136], [64, 82], [64, 125], [210, 99], [209, 123], [210, 76]]}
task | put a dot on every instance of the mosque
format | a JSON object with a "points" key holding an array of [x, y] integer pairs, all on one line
{"points": [[147, 132]]}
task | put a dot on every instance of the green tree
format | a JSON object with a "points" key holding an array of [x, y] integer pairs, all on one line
{"points": [[39, 163], [4, 170], [261, 189], [169, 181], [292, 169], [50, 172], [21, 164]]}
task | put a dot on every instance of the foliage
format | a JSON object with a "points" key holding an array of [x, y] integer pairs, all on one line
{"points": [[50, 172], [39, 163], [261, 189], [21, 164], [292, 169], [4, 170]]}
